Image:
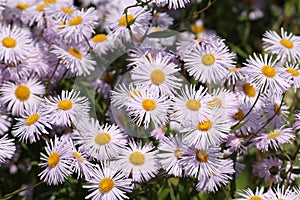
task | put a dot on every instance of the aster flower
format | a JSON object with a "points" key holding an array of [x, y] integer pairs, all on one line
{"points": [[66, 109], [21, 96], [5, 121], [101, 44], [56, 162], [292, 73], [7, 149], [170, 152], [234, 75], [274, 139], [162, 20], [139, 162], [286, 46], [281, 193], [16, 44], [108, 183], [249, 194], [247, 92], [31, 125], [213, 65], [172, 4], [102, 142], [191, 105], [264, 74]]}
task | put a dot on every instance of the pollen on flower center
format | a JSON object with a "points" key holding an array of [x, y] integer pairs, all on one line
{"points": [[123, 21], [193, 104], [65, 105], [32, 119], [40, 8], [239, 115], [22, 92], [216, 102], [22, 6], [99, 38], [106, 184], [249, 90], [197, 29], [273, 135], [255, 198], [287, 43], [202, 156], [9, 42], [277, 109], [292, 71], [49, 1], [177, 153], [158, 77], [102, 138], [149, 104], [137, 158], [208, 59], [268, 71], [74, 52], [204, 126], [78, 156], [67, 10], [53, 159], [75, 21]]}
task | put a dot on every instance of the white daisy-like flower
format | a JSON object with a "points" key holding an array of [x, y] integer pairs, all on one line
{"points": [[162, 20], [248, 194], [139, 162], [101, 44], [172, 4], [156, 73], [292, 72], [80, 26], [210, 132], [281, 193], [246, 92], [286, 46], [208, 64], [191, 105], [264, 74], [5, 121], [102, 142], [57, 162], [60, 13], [75, 58], [234, 75], [66, 109], [149, 106], [108, 183], [7, 149], [170, 152], [274, 139], [201, 162], [21, 96], [15, 45], [32, 124]]}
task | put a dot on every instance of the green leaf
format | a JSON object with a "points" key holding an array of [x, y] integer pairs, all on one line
{"points": [[163, 34], [164, 194]]}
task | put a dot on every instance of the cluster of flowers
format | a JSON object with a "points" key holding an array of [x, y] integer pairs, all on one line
{"points": [[225, 111]]}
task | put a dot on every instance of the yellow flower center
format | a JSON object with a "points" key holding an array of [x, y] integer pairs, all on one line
{"points": [[32, 119], [137, 158], [49, 1], [255, 198], [273, 135], [234, 69], [177, 153], [22, 6], [22, 92], [74, 52], [239, 115], [53, 159], [249, 90], [292, 71], [9, 42], [202, 156], [102, 138], [208, 59], [156, 15], [158, 76], [123, 21], [99, 38], [67, 10], [40, 8], [148, 104], [197, 29], [277, 109], [268, 71], [65, 105], [75, 21], [216, 102], [287, 43], [199, 40], [78, 156], [193, 104], [106, 184], [205, 126]]}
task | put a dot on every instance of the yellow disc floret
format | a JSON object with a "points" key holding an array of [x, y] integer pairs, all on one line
{"points": [[9, 42], [123, 21], [208, 59], [205, 126], [137, 158], [22, 92], [65, 105], [32, 119], [202, 156], [106, 184], [102, 138], [268, 71], [193, 104], [158, 76], [287, 43], [53, 159], [148, 104]]}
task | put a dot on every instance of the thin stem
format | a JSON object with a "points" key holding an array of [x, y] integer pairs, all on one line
{"points": [[205, 8], [8, 196]]}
